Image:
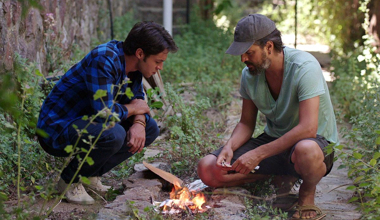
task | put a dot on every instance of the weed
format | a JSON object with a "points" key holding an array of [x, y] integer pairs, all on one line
{"points": [[262, 211], [358, 92]]}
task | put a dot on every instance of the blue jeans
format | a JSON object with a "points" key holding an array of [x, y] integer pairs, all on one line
{"points": [[110, 150]]}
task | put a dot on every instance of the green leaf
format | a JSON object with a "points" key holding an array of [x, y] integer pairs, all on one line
{"points": [[3, 196], [42, 133], [157, 104], [85, 180], [357, 155], [376, 155], [85, 117], [84, 150], [358, 179], [99, 94], [69, 149], [38, 73], [27, 141], [341, 166], [149, 92], [340, 147], [378, 141], [373, 162], [32, 179], [90, 161], [353, 188], [353, 199], [329, 150], [38, 187], [364, 184], [129, 93]]}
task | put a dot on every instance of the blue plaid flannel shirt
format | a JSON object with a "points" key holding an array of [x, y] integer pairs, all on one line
{"points": [[73, 95]]}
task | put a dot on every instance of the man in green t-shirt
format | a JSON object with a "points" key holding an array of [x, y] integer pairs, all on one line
{"points": [[288, 87]]}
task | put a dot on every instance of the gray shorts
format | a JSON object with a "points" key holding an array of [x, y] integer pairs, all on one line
{"points": [[279, 164]]}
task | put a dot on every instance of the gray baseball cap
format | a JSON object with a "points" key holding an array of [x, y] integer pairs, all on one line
{"points": [[248, 30]]}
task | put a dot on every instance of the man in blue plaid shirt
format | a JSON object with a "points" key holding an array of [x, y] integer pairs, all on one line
{"points": [[108, 79]]}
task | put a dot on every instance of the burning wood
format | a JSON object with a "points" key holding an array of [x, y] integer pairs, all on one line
{"points": [[182, 199]]}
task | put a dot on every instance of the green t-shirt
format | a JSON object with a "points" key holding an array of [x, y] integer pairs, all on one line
{"points": [[303, 79]]}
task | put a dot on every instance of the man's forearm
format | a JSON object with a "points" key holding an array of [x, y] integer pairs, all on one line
{"points": [[140, 117], [241, 134]]}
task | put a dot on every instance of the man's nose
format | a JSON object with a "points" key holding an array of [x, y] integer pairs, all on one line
{"points": [[160, 67], [243, 58]]}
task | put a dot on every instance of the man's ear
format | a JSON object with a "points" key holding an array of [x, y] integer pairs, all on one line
{"points": [[269, 45], [139, 54]]}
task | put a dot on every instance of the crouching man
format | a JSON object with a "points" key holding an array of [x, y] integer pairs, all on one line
{"points": [[288, 87], [117, 68]]}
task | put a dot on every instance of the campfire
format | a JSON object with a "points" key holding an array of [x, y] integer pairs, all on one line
{"points": [[183, 199]]}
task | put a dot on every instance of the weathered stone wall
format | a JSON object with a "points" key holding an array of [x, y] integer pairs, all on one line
{"points": [[59, 24]]}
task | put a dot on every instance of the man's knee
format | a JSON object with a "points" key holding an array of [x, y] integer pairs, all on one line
{"points": [[112, 139], [206, 171], [152, 131], [307, 150]]}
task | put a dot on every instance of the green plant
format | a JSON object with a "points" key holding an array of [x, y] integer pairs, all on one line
{"points": [[263, 211], [358, 92], [188, 142], [201, 62]]}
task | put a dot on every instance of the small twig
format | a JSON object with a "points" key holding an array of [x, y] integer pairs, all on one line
{"points": [[98, 195], [57, 204], [340, 186]]}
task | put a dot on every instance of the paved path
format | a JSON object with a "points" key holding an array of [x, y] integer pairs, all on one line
{"points": [[335, 203]]}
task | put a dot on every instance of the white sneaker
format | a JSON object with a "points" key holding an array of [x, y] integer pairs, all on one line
{"points": [[76, 193], [96, 185]]}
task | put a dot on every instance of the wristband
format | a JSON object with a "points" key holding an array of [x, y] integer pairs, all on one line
{"points": [[140, 122]]}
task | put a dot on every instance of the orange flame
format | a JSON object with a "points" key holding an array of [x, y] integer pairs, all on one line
{"points": [[181, 197]]}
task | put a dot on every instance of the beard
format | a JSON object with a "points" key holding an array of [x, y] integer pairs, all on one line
{"points": [[258, 68]]}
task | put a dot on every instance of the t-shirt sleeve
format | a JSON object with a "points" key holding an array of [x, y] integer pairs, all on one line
{"points": [[243, 86], [311, 81]]}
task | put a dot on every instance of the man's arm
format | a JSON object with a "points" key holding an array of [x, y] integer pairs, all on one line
{"points": [[137, 107], [306, 128], [242, 132]]}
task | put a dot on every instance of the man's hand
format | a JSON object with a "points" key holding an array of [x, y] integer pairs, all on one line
{"points": [[224, 159], [246, 163], [137, 107], [136, 138]]}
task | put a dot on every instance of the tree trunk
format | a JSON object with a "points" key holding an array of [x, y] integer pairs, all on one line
{"points": [[206, 8]]}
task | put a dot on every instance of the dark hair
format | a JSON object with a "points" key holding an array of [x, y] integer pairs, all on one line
{"points": [[152, 38], [275, 37]]}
